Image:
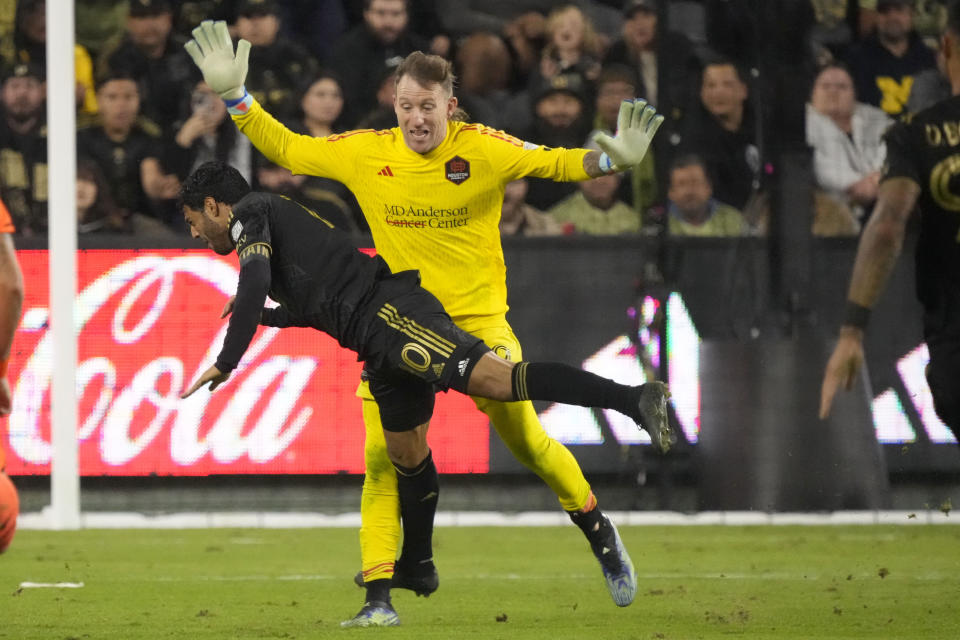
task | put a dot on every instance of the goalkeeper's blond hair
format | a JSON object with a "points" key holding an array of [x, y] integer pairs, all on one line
{"points": [[428, 69]]}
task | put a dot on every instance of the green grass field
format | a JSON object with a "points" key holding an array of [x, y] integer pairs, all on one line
{"points": [[517, 583]]}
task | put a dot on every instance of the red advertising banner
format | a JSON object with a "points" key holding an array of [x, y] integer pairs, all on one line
{"points": [[148, 324]]}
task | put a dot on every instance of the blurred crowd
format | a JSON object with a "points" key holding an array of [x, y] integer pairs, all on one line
{"points": [[739, 81]]}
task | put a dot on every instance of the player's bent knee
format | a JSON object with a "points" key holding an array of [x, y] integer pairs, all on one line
{"points": [[9, 510]]}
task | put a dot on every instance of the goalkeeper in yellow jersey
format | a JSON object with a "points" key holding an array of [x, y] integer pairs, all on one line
{"points": [[431, 191]]}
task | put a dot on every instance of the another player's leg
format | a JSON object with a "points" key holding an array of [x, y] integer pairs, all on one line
{"points": [[519, 427], [557, 382], [379, 523], [406, 405], [419, 489]]}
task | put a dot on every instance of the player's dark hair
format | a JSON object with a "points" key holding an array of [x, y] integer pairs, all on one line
{"points": [[214, 179], [427, 69], [691, 160], [953, 17]]}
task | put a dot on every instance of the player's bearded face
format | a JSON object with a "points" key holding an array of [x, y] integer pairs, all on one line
{"points": [[217, 236], [422, 113]]}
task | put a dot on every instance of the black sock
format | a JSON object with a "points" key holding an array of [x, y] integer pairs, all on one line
{"points": [[378, 590], [419, 489], [558, 382], [592, 523]]}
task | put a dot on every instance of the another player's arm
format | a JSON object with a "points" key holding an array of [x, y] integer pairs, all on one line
{"points": [[877, 254], [252, 287], [637, 123], [225, 72], [11, 303]]}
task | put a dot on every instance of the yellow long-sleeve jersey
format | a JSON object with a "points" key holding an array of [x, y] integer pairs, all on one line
{"points": [[437, 212]]}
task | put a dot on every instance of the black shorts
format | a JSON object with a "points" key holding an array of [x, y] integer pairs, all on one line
{"points": [[414, 349]]}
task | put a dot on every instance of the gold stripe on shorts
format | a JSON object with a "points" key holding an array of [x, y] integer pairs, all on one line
{"points": [[407, 326]]}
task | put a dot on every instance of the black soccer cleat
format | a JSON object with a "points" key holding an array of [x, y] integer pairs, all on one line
{"points": [[423, 580], [651, 414]]}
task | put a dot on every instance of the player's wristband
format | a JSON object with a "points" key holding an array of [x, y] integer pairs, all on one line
{"points": [[3, 367], [606, 164], [239, 106], [856, 315]]}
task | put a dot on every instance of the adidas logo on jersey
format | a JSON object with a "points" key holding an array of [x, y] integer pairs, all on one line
{"points": [[437, 369], [462, 367], [385, 171]]}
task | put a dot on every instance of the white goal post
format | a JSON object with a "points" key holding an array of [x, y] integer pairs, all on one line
{"points": [[64, 509]]}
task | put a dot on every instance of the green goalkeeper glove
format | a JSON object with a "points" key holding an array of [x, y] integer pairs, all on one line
{"points": [[212, 51], [636, 125]]}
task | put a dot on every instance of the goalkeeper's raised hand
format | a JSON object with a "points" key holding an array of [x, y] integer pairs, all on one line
{"points": [[212, 51], [636, 125]]}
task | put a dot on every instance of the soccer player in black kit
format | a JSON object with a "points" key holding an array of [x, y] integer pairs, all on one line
{"points": [[922, 168], [409, 345]]}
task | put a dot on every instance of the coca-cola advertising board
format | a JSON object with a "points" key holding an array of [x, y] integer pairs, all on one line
{"points": [[148, 323]]}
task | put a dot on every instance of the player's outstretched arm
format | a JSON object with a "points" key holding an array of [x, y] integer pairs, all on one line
{"points": [[637, 123], [877, 254], [212, 51]]}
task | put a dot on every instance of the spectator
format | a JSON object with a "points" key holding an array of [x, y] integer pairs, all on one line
{"points": [[561, 118], [692, 210], [885, 63], [517, 218], [846, 136], [321, 107], [423, 13], [929, 18], [383, 116], [152, 54], [316, 24], [23, 148], [128, 151], [100, 24], [370, 49], [722, 131], [484, 70], [277, 65], [616, 84], [207, 133], [665, 64], [595, 210], [96, 210], [572, 45], [30, 45], [830, 33]]}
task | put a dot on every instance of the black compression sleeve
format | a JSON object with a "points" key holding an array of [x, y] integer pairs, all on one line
{"points": [[251, 293]]}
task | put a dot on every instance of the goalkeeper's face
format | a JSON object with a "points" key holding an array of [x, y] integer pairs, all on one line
{"points": [[422, 113]]}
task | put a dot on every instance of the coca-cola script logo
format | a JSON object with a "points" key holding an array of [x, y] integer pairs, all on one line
{"points": [[148, 324]]}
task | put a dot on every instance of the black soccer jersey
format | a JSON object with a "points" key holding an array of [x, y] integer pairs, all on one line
{"points": [[927, 151], [310, 267]]}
